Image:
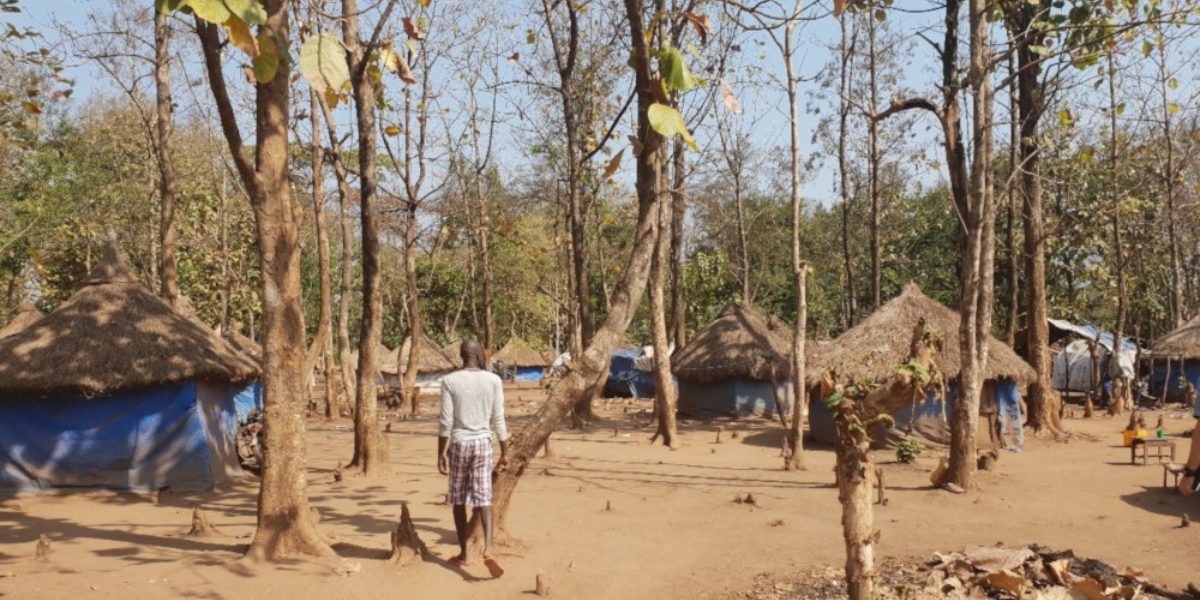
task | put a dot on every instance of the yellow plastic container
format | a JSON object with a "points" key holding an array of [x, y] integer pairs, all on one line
{"points": [[1130, 435]]}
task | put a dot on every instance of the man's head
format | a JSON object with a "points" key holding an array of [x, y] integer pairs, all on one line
{"points": [[472, 354]]}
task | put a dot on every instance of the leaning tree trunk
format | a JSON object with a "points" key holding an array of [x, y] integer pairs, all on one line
{"points": [[285, 525], [370, 446], [589, 369], [168, 187]]}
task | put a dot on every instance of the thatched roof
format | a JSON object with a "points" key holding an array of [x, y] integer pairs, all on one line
{"points": [[871, 350], [114, 334], [453, 349], [739, 343], [430, 359], [518, 353], [27, 314], [1183, 342], [243, 344]]}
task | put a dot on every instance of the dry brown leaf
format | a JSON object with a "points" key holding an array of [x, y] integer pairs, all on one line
{"points": [[410, 28]]}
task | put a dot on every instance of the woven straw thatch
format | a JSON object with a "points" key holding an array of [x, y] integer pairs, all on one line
{"points": [[453, 349], [1183, 343], [27, 314], [739, 343], [430, 359], [113, 334], [871, 350], [244, 345], [517, 353]]}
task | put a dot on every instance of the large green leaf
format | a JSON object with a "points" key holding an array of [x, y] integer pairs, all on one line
{"points": [[676, 74], [323, 62], [667, 122], [213, 11], [250, 11], [266, 64]]}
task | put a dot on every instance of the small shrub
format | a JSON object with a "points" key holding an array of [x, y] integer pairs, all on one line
{"points": [[909, 450]]}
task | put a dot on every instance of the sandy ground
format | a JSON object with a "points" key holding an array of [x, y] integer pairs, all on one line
{"points": [[673, 531]]}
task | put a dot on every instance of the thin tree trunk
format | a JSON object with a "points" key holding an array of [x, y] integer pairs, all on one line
{"points": [[799, 267], [678, 213], [1010, 246], [1169, 175], [1120, 382], [370, 446], [847, 62], [743, 243], [226, 283], [1044, 405], [323, 343], [873, 157], [409, 377], [665, 394], [168, 187], [285, 525]]}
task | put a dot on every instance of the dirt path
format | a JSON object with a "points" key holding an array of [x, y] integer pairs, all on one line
{"points": [[673, 532]]}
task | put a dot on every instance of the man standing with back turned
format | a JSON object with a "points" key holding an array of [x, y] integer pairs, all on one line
{"points": [[472, 408]]}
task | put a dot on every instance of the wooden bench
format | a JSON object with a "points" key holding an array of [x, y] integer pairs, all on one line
{"points": [[1159, 445]]}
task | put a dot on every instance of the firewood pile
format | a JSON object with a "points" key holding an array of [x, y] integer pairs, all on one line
{"points": [[980, 572]]}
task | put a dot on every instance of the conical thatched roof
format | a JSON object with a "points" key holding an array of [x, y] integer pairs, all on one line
{"points": [[244, 345], [27, 314], [871, 350], [114, 334], [453, 349], [1184, 342], [385, 359], [430, 359], [518, 353], [739, 343]]}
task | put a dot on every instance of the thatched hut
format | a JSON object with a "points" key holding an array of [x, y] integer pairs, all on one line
{"points": [[116, 389], [27, 314], [736, 366], [453, 350], [432, 363], [871, 350], [1176, 355], [520, 361]]}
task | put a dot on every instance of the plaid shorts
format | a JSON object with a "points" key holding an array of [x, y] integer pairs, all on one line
{"points": [[471, 473]]}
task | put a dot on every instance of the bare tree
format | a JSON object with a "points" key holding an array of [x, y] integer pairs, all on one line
{"points": [[168, 187]]}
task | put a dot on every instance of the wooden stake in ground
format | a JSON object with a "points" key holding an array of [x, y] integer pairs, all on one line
{"points": [[200, 525], [406, 544], [41, 552], [547, 451], [854, 410], [542, 587]]}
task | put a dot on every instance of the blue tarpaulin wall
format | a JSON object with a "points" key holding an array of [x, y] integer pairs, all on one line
{"points": [[163, 437], [247, 398], [728, 398], [624, 381], [1008, 415], [533, 374], [1159, 376]]}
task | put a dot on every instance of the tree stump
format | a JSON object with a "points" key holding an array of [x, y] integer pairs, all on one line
{"points": [[337, 472], [881, 498], [542, 586], [41, 551], [1089, 408], [719, 430], [547, 451], [987, 460], [200, 525], [406, 544]]}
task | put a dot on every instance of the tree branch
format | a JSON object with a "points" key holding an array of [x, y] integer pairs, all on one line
{"points": [[211, 46], [900, 105]]}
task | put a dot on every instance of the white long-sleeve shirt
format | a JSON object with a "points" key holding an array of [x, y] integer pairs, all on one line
{"points": [[472, 406]]}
